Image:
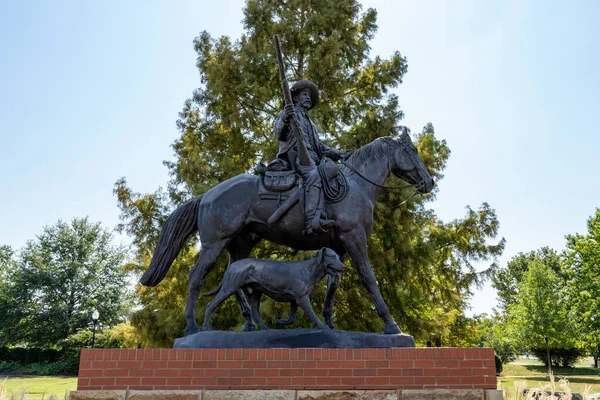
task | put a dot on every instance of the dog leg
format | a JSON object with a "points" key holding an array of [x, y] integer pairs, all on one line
{"points": [[304, 303], [292, 318], [254, 298]]}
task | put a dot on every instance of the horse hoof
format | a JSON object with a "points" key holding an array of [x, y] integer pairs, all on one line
{"points": [[329, 324], [190, 330], [392, 329], [249, 327]]}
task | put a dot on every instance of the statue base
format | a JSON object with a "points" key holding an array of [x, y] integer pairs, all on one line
{"points": [[293, 338]]}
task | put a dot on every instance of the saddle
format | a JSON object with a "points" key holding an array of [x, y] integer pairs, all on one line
{"points": [[278, 181]]}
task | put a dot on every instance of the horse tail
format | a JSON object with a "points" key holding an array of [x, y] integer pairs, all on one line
{"points": [[179, 227], [213, 292]]}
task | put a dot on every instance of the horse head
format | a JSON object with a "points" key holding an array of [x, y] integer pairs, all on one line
{"points": [[407, 165]]}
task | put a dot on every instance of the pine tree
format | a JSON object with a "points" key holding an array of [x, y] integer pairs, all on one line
{"points": [[422, 264]]}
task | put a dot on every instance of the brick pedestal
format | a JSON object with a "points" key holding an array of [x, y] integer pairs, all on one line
{"points": [[287, 369]]}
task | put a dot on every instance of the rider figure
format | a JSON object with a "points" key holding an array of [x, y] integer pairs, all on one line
{"points": [[305, 96]]}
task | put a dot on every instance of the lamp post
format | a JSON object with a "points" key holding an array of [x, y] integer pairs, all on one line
{"points": [[95, 317]]}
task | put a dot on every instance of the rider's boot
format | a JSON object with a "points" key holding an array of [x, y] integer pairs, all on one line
{"points": [[316, 220]]}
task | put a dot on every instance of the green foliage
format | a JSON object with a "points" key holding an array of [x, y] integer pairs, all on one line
{"points": [[493, 332], [582, 261], [10, 366], [506, 280], [540, 317], [59, 278], [423, 265]]}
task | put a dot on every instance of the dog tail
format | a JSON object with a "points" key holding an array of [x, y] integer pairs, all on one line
{"points": [[213, 292]]}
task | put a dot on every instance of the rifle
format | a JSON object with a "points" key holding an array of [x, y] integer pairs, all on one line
{"points": [[303, 156]]}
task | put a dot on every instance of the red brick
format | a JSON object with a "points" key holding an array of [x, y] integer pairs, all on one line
{"points": [[489, 363], [166, 372], [204, 364], [154, 364], [244, 364], [459, 372], [116, 372], [425, 380], [154, 381], [129, 364], [377, 364], [291, 372], [365, 372], [314, 372], [377, 380], [471, 363], [472, 380], [141, 372], [90, 372], [353, 381], [128, 381], [476, 353], [206, 380], [254, 381], [85, 364], [484, 371], [412, 372], [328, 364], [192, 372], [179, 364], [340, 372], [179, 381], [241, 372], [304, 364], [424, 363], [266, 372], [446, 363], [310, 354], [279, 381], [402, 364], [329, 381], [234, 363], [102, 381], [354, 364], [389, 372], [104, 364], [435, 371], [304, 381], [279, 364], [452, 353], [82, 382], [215, 372]]}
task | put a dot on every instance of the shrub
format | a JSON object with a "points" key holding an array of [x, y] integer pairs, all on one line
{"points": [[565, 358], [10, 366]]}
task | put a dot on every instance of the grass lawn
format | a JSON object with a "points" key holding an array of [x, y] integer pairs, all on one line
{"points": [[39, 386], [534, 374]]}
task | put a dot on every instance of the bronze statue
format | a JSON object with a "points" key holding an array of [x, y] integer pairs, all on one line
{"points": [[231, 216], [291, 282], [240, 212]]}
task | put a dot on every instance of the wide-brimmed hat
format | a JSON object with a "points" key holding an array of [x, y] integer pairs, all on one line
{"points": [[306, 84]]}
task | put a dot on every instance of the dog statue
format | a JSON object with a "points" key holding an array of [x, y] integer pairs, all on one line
{"points": [[284, 281]]}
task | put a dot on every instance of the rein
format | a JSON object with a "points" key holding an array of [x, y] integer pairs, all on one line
{"points": [[384, 186]]}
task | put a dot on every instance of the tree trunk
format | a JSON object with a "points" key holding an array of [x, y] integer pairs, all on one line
{"points": [[596, 361], [549, 360]]}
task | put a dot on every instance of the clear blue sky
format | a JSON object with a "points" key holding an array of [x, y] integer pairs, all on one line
{"points": [[90, 92]]}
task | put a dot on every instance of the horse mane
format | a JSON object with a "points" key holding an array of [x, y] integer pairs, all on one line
{"points": [[377, 149]]}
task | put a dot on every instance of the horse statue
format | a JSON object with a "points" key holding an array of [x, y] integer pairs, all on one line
{"points": [[231, 216]]}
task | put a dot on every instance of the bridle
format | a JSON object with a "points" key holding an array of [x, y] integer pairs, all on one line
{"points": [[420, 184]]}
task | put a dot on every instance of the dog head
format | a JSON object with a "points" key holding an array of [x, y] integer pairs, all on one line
{"points": [[330, 261]]}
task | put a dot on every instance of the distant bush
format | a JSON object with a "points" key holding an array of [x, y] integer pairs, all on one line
{"points": [[10, 366], [565, 358]]}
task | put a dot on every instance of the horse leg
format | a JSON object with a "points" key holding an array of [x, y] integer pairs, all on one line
{"points": [[206, 262], [355, 243], [238, 249]]}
